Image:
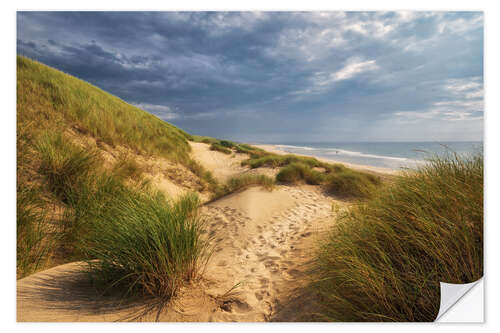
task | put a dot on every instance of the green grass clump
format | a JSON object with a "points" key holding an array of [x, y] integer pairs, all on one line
{"points": [[63, 163], [32, 246], [383, 260], [252, 151], [242, 149], [350, 183], [296, 171], [240, 182], [227, 144], [337, 179], [275, 160], [220, 148], [210, 140], [142, 241], [204, 139]]}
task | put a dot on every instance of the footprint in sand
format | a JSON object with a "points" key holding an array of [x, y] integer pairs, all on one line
{"points": [[222, 263], [235, 306], [259, 295]]}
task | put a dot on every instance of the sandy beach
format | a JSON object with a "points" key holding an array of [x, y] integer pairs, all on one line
{"points": [[274, 149]]}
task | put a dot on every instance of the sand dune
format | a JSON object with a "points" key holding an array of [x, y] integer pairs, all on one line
{"points": [[223, 166], [262, 244]]}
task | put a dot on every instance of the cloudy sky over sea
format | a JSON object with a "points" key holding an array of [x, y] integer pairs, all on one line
{"points": [[278, 77]]}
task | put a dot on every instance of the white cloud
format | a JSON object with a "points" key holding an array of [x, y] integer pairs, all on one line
{"points": [[372, 29], [354, 67], [460, 25], [465, 103], [447, 27], [330, 31], [224, 22], [322, 81]]}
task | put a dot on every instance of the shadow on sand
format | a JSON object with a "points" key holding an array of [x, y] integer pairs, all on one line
{"points": [[66, 293]]}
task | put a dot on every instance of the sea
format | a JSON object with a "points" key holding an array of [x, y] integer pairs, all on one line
{"points": [[391, 155]]}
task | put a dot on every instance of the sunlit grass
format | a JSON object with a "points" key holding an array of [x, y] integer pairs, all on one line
{"points": [[241, 182], [64, 189], [337, 179], [143, 243], [220, 148], [384, 259], [33, 246]]}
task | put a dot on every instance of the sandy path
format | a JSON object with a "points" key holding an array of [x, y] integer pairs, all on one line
{"points": [[262, 243], [262, 248]]}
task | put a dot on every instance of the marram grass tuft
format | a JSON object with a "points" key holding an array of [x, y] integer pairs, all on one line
{"points": [[384, 259]]}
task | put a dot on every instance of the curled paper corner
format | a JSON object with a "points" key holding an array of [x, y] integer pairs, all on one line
{"points": [[451, 294]]}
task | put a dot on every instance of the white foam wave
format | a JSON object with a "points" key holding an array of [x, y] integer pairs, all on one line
{"points": [[360, 154], [296, 147], [342, 152]]}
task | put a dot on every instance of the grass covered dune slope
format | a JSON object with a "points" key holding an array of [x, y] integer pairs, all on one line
{"points": [[82, 190], [383, 260], [46, 96], [94, 176]]}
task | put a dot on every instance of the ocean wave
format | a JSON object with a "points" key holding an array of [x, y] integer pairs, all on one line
{"points": [[360, 154], [296, 147], [352, 156]]}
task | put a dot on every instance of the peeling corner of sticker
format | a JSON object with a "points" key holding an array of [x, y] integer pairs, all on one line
{"points": [[451, 293]]}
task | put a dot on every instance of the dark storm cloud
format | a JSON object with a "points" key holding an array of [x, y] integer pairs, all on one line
{"points": [[276, 76]]}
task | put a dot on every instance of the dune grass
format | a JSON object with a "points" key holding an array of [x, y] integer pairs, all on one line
{"points": [[32, 247], [132, 237], [351, 183], [220, 148], [227, 144], [62, 184], [49, 97], [209, 180], [63, 163], [336, 178], [143, 243], [275, 160], [384, 259], [210, 140], [240, 182], [227, 147], [243, 149], [127, 167], [296, 171], [204, 139]]}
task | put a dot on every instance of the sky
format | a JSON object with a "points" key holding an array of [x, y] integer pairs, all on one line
{"points": [[278, 77]]}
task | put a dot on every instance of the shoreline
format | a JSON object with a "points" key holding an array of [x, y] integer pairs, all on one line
{"points": [[273, 149]]}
